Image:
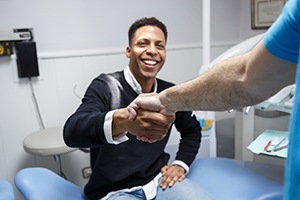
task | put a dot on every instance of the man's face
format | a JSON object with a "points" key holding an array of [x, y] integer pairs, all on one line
{"points": [[147, 52]]}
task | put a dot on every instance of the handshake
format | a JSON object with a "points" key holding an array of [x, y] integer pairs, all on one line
{"points": [[153, 115]]}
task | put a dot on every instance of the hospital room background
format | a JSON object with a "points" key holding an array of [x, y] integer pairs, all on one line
{"points": [[77, 40]]}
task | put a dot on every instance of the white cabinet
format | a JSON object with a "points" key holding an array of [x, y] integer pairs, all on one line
{"points": [[272, 114]]}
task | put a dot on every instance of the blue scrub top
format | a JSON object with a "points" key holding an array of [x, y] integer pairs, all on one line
{"points": [[282, 40]]}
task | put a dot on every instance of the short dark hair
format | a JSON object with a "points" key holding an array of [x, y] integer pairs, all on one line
{"points": [[146, 21]]}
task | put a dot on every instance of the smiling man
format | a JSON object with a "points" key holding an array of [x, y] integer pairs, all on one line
{"points": [[123, 166]]}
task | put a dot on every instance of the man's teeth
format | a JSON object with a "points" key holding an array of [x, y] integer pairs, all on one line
{"points": [[150, 62]]}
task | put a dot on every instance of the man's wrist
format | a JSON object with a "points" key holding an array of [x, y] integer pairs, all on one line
{"points": [[108, 130], [118, 125], [182, 164]]}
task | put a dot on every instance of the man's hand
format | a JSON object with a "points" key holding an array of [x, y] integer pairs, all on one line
{"points": [[149, 101], [171, 174], [149, 126]]}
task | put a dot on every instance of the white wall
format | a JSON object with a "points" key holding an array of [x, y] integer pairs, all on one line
{"points": [[77, 40]]}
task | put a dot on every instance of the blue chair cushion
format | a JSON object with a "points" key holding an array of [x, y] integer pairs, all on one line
{"points": [[43, 184], [6, 190], [227, 178]]}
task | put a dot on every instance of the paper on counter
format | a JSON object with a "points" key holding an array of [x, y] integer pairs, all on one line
{"points": [[257, 146]]}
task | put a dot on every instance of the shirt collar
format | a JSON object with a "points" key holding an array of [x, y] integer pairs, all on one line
{"points": [[133, 82]]}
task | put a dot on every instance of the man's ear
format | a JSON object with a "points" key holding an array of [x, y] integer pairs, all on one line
{"points": [[128, 51]]}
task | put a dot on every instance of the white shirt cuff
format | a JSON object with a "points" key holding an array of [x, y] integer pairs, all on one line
{"points": [[182, 164], [108, 130]]}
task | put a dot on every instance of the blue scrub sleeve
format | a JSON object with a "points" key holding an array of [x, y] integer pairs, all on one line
{"points": [[282, 38]]}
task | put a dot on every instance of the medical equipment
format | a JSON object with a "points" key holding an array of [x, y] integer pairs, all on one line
{"points": [[16, 35], [22, 40]]}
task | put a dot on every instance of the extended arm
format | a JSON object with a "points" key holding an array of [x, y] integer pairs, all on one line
{"points": [[90, 125], [234, 83]]}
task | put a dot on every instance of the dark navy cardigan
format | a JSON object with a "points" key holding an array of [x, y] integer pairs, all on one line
{"points": [[131, 163]]}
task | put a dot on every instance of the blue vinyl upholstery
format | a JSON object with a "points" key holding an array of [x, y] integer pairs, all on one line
{"points": [[223, 178], [6, 190], [232, 179], [43, 184]]}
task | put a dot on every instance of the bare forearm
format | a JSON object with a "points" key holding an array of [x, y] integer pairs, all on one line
{"points": [[237, 82], [218, 89]]}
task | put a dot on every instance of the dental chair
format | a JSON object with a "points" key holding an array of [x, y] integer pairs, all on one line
{"points": [[6, 190], [223, 178]]}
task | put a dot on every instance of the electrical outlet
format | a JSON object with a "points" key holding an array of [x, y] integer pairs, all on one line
{"points": [[86, 172]]}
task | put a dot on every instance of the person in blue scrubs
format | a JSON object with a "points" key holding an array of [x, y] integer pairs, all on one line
{"points": [[244, 80]]}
